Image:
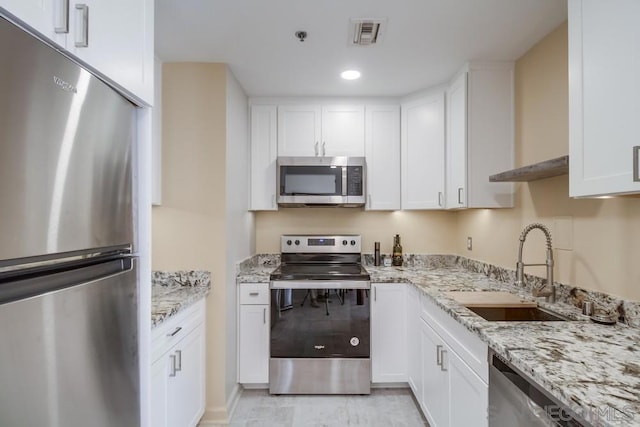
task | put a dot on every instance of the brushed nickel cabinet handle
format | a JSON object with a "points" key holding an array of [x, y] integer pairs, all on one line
{"points": [[323, 146], [440, 198], [254, 294], [173, 365], [178, 360], [460, 195], [83, 41], [62, 17], [264, 315], [636, 172], [316, 148], [442, 367], [438, 360]]}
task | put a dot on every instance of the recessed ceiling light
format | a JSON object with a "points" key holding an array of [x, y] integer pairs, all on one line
{"points": [[350, 74]]}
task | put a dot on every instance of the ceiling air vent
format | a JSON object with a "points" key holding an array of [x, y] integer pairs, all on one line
{"points": [[367, 31]]}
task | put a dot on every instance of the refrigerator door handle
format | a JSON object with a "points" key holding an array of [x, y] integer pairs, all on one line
{"points": [[61, 277]]}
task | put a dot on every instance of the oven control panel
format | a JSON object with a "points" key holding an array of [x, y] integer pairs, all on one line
{"points": [[348, 243]]}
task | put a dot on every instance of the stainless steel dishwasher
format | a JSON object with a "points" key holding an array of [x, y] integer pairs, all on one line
{"points": [[514, 400]]}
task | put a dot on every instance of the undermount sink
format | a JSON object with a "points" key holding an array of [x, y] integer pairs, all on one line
{"points": [[517, 314]]}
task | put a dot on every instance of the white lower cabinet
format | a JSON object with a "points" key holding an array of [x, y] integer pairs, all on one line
{"points": [[452, 388], [414, 362], [388, 333], [178, 369], [253, 333]]}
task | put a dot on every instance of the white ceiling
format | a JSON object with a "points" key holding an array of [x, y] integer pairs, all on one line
{"points": [[425, 42]]}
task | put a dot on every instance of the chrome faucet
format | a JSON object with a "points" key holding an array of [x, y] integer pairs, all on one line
{"points": [[550, 294]]}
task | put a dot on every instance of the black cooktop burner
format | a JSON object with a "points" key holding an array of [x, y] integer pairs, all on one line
{"points": [[318, 271]]}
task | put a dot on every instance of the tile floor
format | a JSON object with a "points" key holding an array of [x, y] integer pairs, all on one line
{"points": [[383, 408]]}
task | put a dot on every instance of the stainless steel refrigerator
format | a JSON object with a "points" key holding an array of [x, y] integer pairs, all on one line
{"points": [[68, 280]]}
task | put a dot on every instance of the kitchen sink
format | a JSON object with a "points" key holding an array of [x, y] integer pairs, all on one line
{"points": [[517, 314]]}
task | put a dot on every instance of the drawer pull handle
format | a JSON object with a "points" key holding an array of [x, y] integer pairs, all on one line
{"points": [[442, 367], [438, 360], [254, 294], [173, 334]]}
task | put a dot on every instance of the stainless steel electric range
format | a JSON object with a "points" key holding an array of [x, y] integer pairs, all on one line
{"points": [[320, 311]]}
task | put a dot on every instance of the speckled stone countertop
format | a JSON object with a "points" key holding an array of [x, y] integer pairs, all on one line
{"points": [[592, 369], [173, 291]]}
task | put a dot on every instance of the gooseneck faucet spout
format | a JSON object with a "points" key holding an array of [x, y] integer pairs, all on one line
{"points": [[540, 291]]}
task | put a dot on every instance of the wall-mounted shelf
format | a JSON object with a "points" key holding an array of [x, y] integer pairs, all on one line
{"points": [[546, 169]]}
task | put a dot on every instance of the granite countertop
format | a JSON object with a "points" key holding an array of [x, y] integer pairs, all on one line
{"points": [[173, 291], [592, 369]]}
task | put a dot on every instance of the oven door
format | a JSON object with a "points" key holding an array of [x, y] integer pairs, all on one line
{"points": [[320, 348], [320, 319]]}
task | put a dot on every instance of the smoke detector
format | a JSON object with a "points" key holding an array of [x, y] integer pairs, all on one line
{"points": [[367, 32]]}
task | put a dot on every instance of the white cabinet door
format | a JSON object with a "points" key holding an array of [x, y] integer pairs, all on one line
{"points": [[119, 41], [48, 17], [159, 392], [299, 130], [264, 153], [435, 381], [253, 344], [342, 130], [457, 143], [604, 96], [186, 380], [468, 394], [423, 159], [388, 333], [382, 150], [480, 136], [414, 348]]}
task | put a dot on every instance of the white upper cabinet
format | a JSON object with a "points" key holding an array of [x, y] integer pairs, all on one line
{"points": [[382, 150], [480, 136], [422, 152], [314, 130], [299, 130], [264, 153], [114, 37], [604, 97], [342, 130], [48, 17]]}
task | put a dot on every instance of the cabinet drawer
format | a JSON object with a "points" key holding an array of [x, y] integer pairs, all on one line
{"points": [[254, 293], [176, 328]]}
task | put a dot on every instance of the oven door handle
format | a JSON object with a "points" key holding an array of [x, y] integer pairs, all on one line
{"points": [[320, 284]]}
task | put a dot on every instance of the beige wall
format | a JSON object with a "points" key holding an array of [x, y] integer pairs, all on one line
{"points": [[189, 228], [596, 240], [420, 232]]}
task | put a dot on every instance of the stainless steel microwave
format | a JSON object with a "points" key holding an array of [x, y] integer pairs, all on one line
{"points": [[321, 181]]}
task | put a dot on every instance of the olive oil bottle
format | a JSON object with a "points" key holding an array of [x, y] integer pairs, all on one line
{"points": [[397, 251]]}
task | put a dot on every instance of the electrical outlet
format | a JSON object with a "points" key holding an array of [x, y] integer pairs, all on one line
{"points": [[469, 243]]}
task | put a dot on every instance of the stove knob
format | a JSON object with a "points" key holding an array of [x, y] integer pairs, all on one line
{"points": [[289, 242], [344, 242], [297, 242], [353, 243]]}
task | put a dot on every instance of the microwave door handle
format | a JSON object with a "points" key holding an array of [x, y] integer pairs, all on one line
{"points": [[344, 180]]}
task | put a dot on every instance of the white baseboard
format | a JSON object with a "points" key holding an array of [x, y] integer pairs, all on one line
{"points": [[232, 402]]}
